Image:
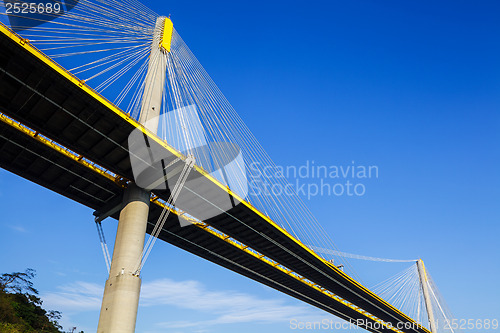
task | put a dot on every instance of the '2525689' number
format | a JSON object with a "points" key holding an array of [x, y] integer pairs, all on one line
{"points": [[477, 324], [33, 8]]}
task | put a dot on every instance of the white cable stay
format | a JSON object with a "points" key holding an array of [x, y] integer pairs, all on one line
{"points": [[174, 194], [104, 245], [355, 256]]}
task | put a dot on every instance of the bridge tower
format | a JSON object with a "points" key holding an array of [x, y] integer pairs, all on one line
{"points": [[427, 297], [121, 293]]}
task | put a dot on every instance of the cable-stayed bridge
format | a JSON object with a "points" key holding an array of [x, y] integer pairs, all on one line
{"points": [[170, 157]]}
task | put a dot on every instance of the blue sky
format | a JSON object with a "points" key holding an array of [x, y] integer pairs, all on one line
{"points": [[410, 87]]}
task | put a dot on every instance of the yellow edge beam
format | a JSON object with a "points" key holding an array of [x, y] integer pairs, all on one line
{"points": [[289, 272], [276, 265], [81, 84], [62, 150]]}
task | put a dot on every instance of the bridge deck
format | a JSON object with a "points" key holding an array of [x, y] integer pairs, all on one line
{"points": [[56, 125]]}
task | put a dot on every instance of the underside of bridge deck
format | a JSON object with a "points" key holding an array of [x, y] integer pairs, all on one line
{"points": [[60, 134]]}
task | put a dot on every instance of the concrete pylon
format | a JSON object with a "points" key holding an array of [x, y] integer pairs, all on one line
{"points": [[427, 296], [121, 293]]}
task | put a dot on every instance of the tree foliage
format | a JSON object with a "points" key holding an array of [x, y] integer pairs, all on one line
{"points": [[20, 306], [18, 283]]}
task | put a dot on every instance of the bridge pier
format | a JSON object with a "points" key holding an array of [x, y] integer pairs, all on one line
{"points": [[122, 290], [121, 293], [427, 296]]}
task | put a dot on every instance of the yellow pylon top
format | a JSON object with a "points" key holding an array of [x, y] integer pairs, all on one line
{"points": [[166, 38]]}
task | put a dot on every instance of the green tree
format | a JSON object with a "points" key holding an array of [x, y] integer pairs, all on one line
{"points": [[21, 308], [18, 283]]}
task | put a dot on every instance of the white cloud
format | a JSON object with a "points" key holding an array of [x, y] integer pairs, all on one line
{"points": [[227, 307], [224, 306], [17, 228], [75, 297]]}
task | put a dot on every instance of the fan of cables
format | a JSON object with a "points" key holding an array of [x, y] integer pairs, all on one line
{"points": [[104, 43], [107, 44], [404, 291]]}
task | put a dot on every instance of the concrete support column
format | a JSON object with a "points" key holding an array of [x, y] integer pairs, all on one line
{"points": [[122, 290], [121, 294], [427, 295], [154, 81]]}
